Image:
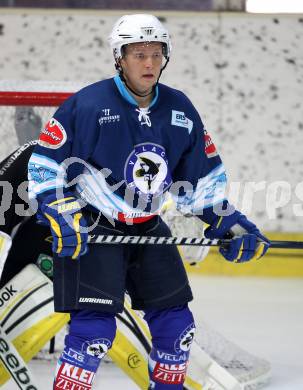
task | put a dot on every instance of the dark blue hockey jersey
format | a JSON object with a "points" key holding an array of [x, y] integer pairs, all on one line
{"points": [[123, 159]]}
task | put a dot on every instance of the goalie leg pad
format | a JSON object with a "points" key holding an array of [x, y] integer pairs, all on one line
{"points": [[172, 332], [91, 335]]}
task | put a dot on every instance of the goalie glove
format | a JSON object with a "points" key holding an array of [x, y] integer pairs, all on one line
{"points": [[247, 241], [66, 221]]}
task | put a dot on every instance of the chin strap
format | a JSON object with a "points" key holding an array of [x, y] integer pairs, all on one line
{"points": [[121, 75]]}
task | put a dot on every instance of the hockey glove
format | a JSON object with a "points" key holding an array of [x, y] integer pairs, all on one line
{"points": [[66, 220], [247, 241]]}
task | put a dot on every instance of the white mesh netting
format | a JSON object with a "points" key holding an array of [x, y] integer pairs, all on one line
{"points": [[23, 111]]}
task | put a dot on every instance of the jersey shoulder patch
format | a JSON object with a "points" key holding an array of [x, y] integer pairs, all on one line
{"points": [[53, 135]]}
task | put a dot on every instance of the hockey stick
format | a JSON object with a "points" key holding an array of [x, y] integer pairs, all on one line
{"points": [[194, 241]]}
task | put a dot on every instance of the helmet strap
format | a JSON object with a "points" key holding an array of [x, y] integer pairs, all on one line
{"points": [[163, 67]]}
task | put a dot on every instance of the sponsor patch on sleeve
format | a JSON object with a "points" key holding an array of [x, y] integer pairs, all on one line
{"points": [[178, 118], [53, 135], [210, 148]]}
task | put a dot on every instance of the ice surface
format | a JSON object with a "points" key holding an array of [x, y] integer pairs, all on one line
{"points": [[262, 315]]}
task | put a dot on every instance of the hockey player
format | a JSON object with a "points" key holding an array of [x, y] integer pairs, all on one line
{"points": [[23, 242], [118, 146]]}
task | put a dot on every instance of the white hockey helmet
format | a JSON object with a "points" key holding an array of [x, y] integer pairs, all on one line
{"points": [[138, 28]]}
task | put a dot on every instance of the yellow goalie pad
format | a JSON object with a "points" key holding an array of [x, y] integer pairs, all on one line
{"points": [[30, 342], [127, 357], [27, 314]]}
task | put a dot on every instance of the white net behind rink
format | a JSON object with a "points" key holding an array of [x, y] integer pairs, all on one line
{"points": [[25, 106]]}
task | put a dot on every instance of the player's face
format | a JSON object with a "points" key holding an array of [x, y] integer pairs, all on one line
{"points": [[142, 64]]}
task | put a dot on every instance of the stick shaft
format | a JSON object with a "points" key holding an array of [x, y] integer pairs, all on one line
{"points": [[193, 241], [151, 240]]}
